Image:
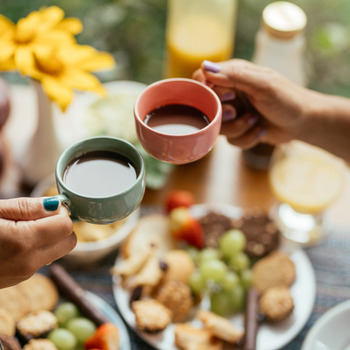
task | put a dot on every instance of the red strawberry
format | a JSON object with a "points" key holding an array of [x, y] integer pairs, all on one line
{"points": [[106, 337], [184, 227], [177, 199]]}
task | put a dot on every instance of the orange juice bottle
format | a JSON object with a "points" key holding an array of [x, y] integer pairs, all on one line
{"points": [[198, 30]]}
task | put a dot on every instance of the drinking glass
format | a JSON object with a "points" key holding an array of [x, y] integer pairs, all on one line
{"points": [[306, 180], [198, 30]]}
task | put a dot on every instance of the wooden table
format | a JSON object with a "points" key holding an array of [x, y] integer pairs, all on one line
{"points": [[223, 177]]}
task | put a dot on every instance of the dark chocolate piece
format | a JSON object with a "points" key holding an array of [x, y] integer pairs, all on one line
{"points": [[67, 285], [251, 320]]}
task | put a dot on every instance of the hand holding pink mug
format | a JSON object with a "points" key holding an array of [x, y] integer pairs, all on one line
{"points": [[177, 120]]}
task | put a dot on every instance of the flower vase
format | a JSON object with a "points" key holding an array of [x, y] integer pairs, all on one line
{"points": [[41, 154]]}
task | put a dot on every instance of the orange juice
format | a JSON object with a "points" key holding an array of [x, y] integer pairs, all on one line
{"points": [[194, 39], [307, 178]]}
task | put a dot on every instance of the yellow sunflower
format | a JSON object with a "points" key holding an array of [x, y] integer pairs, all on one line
{"points": [[40, 28], [65, 68]]}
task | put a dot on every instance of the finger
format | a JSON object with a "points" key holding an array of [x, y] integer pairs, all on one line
{"points": [[46, 230], [236, 73], [240, 126], [249, 139], [52, 252], [28, 208]]}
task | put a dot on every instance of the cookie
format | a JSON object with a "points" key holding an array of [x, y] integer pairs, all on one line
{"points": [[261, 233], [220, 327], [40, 344], [276, 304], [214, 225], [275, 270], [151, 316], [14, 302], [179, 266], [36, 324], [176, 296], [9, 342], [7, 323], [40, 291], [188, 337]]}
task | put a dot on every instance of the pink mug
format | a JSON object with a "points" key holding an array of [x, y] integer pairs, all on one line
{"points": [[183, 148]]}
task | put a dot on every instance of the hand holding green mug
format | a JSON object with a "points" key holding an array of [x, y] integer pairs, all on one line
{"points": [[100, 179]]}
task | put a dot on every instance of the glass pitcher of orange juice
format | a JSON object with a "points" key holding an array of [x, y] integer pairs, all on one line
{"points": [[198, 30]]}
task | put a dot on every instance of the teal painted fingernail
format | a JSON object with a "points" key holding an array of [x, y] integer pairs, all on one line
{"points": [[51, 203]]}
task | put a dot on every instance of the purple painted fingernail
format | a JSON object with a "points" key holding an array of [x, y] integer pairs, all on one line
{"points": [[228, 115], [211, 66], [262, 133], [252, 120], [227, 96]]}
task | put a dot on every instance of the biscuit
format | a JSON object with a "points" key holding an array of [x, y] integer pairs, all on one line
{"points": [[36, 324], [150, 315], [276, 304], [40, 344], [275, 270], [151, 230], [7, 323], [176, 296], [40, 291], [14, 302], [220, 327], [179, 266], [261, 233], [188, 337]]}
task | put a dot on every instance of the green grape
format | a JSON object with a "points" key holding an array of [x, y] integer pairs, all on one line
{"points": [[232, 242], [214, 270], [230, 281], [63, 339], [196, 283], [237, 299], [82, 328], [246, 279], [220, 303], [240, 262], [208, 254], [66, 311]]}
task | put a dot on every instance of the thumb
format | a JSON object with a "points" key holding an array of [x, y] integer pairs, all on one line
{"points": [[236, 73], [28, 208]]}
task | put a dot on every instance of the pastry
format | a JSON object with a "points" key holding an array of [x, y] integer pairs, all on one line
{"points": [[40, 292], [7, 323], [150, 315], [276, 304], [40, 344], [220, 327], [179, 266], [176, 296], [36, 324], [188, 337], [277, 269]]}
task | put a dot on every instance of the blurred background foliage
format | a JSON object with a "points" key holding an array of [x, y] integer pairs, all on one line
{"points": [[133, 31]]}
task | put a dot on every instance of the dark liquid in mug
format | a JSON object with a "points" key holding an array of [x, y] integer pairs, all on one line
{"points": [[176, 119], [99, 174]]}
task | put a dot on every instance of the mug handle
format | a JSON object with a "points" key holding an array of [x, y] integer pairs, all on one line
{"points": [[66, 202]]}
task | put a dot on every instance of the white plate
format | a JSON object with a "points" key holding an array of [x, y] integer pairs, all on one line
{"points": [[270, 337], [331, 331], [112, 315]]}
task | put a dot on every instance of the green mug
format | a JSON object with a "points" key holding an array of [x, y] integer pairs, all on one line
{"points": [[106, 208]]}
